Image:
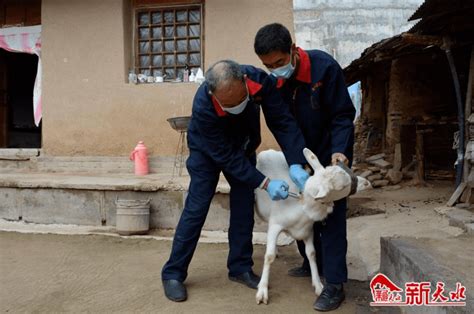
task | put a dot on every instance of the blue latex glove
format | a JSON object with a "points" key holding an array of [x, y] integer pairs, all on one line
{"points": [[298, 175], [278, 190]]}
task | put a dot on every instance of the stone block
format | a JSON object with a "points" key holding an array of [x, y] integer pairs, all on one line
{"points": [[375, 157], [380, 183], [470, 228], [374, 169], [435, 260], [394, 176], [366, 173], [381, 163], [460, 217], [375, 177]]}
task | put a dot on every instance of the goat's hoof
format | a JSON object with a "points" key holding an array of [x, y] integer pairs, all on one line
{"points": [[262, 295], [318, 289]]}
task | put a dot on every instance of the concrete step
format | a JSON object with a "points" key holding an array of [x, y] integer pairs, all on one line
{"points": [[104, 165], [90, 200], [18, 153], [90, 164], [13, 160], [7, 165], [447, 260]]}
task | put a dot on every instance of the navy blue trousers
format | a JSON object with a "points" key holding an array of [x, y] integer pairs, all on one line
{"points": [[330, 243], [204, 177]]}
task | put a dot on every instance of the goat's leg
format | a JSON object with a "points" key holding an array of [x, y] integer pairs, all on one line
{"points": [[270, 254], [311, 255]]}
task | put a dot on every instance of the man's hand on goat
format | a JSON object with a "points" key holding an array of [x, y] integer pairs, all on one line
{"points": [[298, 175], [277, 190], [339, 157]]}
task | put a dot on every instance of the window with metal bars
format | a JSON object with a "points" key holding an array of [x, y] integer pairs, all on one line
{"points": [[168, 40]]}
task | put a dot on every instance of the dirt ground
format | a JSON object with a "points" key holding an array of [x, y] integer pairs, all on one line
{"points": [[46, 273], [100, 274]]}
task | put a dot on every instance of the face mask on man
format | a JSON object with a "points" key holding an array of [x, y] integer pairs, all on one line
{"points": [[284, 71], [239, 108]]}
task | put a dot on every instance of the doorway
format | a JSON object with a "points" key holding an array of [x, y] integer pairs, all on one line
{"points": [[17, 78]]}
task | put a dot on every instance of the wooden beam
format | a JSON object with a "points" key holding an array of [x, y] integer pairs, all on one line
{"points": [[454, 198], [467, 114], [424, 40], [466, 195], [420, 167]]}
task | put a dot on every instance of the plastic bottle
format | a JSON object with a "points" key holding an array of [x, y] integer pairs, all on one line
{"points": [[186, 74], [192, 77]]}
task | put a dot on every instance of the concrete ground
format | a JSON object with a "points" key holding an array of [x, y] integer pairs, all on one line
{"points": [[100, 274]]}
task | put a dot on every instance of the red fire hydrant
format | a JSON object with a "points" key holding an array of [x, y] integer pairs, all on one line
{"points": [[140, 156]]}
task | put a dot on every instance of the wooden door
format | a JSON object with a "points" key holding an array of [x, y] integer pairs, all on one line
{"points": [[3, 101], [20, 12]]}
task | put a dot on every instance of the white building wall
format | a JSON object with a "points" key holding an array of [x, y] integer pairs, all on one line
{"points": [[344, 28]]}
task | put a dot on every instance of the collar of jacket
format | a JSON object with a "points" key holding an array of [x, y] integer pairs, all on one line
{"points": [[253, 88], [304, 69]]}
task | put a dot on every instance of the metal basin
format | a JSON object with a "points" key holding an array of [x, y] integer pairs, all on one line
{"points": [[179, 123]]}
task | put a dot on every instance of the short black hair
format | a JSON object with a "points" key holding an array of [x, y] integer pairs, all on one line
{"points": [[272, 37]]}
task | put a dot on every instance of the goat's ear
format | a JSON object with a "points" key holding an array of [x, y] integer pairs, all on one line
{"points": [[312, 160], [321, 194]]}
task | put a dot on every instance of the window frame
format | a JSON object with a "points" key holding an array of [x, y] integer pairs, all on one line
{"points": [[188, 5]]}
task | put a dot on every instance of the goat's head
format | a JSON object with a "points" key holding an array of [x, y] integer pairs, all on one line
{"points": [[328, 184]]}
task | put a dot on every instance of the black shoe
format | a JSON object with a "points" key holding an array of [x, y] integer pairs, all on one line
{"points": [[300, 271], [175, 290], [249, 279], [330, 299]]}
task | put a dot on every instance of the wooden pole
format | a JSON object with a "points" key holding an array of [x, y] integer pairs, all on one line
{"points": [[468, 112], [420, 167]]}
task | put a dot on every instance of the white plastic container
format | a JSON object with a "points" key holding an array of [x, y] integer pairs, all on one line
{"points": [[133, 216]]}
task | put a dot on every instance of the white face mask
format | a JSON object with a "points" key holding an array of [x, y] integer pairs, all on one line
{"points": [[284, 71], [239, 108]]}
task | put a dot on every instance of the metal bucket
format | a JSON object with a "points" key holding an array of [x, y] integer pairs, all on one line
{"points": [[133, 216]]}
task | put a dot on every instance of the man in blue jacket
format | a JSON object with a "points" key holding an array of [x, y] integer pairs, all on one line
{"points": [[312, 84], [223, 135]]}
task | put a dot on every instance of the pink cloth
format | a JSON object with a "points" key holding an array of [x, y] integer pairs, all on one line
{"points": [[27, 40]]}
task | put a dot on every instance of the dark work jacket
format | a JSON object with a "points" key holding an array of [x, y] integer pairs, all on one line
{"points": [[318, 98], [229, 140]]}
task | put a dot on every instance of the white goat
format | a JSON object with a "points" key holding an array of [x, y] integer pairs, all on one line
{"points": [[297, 216]]}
